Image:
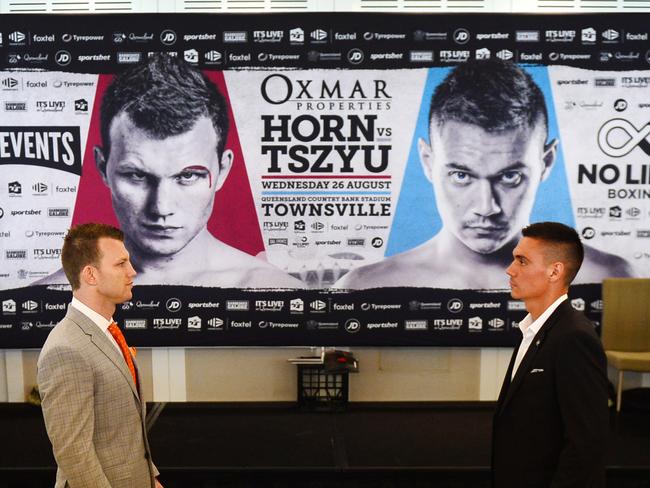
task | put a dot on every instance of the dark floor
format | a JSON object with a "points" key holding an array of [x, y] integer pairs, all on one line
{"points": [[207, 445]]}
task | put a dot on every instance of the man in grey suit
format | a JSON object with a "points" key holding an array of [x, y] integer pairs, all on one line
{"points": [[87, 376]]}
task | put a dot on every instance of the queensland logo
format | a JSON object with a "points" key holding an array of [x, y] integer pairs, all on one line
{"points": [[618, 137], [52, 147]]}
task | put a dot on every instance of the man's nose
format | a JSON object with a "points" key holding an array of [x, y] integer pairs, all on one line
{"points": [[485, 200], [160, 199], [131, 271], [510, 269]]}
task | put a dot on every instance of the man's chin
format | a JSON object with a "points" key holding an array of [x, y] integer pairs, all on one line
{"points": [[484, 245], [160, 248]]}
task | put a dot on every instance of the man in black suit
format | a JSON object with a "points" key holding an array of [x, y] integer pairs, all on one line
{"points": [[551, 423]]}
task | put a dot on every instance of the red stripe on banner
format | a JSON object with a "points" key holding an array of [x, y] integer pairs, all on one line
{"points": [[93, 197], [324, 177], [233, 219]]}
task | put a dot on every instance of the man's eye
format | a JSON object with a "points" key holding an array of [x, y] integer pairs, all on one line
{"points": [[511, 178], [460, 177], [190, 177], [134, 175]]}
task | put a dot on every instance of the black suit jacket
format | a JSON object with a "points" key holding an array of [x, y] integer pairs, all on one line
{"points": [[552, 421]]}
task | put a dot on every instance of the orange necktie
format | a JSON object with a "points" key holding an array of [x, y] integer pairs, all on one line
{"points": [[121, 341]]}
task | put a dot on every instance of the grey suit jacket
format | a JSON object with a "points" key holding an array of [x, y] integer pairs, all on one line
{"points": [[93, 414]]}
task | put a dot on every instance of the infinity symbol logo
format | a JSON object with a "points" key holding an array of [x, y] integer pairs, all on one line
{"points": [[635, 137]]}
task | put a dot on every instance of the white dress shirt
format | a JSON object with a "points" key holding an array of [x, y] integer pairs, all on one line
{"points": [[529, 329], [96, 319]]}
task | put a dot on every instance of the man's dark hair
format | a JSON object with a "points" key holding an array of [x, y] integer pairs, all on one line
{"points": [[494, 95], [164, 96], [565, 245], [81, 248]]}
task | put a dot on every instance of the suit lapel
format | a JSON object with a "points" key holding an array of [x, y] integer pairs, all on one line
{"points": [[103, 343], [527, 361], [507, 379]]}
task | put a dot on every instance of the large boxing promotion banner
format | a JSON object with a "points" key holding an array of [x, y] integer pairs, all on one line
{"points": [[330, 179]]}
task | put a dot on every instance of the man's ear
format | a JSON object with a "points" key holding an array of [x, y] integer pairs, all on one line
{"points": [[548, 158], [556, 272], [426, 158], [88, 275], [225, 164], [100, 162]]}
